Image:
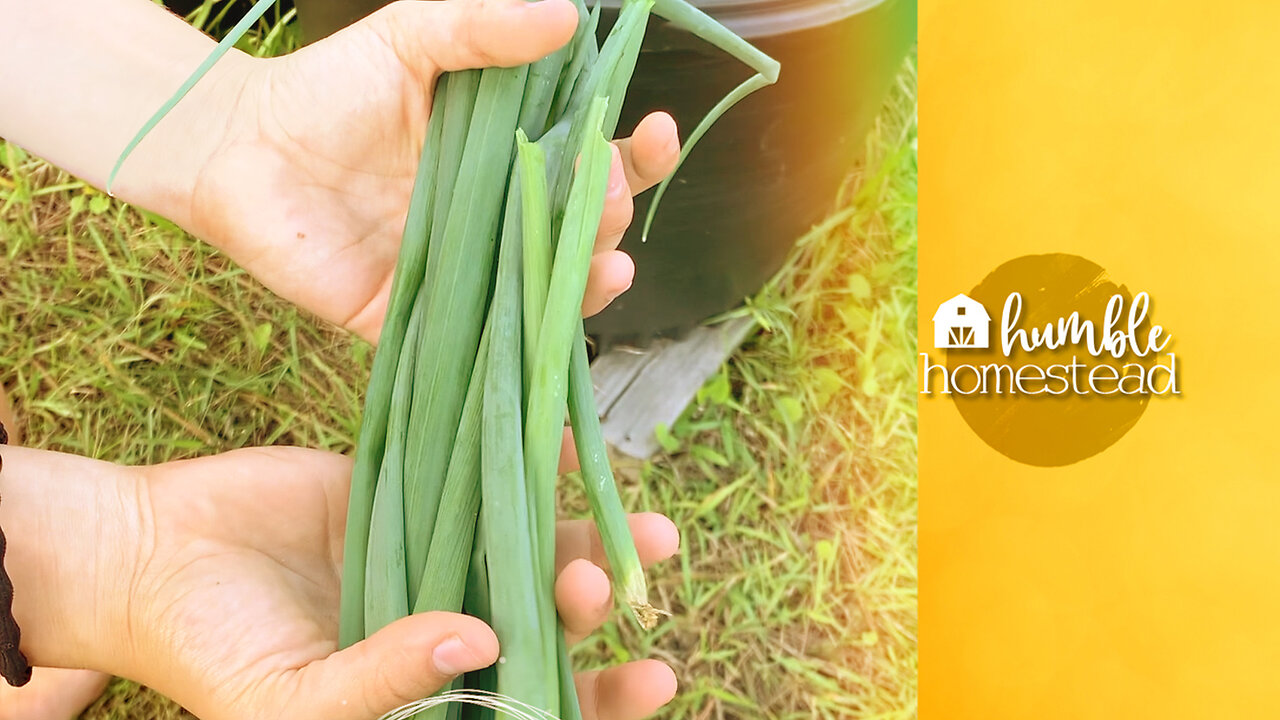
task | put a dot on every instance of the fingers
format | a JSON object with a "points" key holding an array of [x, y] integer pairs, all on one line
{"points": [[449, 35], [656, 539], [618, 207], [612, 273], [568, 452], [584, 598], [650, 154], [405, 661], [627, 692], [639, 162]]}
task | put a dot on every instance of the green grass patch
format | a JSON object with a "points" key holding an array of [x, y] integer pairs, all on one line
{"points": [[793, 478]]}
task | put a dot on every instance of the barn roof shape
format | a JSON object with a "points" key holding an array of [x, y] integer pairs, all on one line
{"points": [[961, 300]]}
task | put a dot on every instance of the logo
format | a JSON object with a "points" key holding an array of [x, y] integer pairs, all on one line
{"points": [[1122, 334], [1049, 360], [961, 322]]}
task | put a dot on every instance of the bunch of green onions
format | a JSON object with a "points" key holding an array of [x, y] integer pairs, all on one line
{"points": [[452, 501]]}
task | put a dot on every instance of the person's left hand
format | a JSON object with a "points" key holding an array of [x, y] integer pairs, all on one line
{"points": [[220, 588]]}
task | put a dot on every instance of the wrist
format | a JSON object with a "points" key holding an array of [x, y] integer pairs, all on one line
{"points": [[164, 173], [105, 67], [75, 528]]}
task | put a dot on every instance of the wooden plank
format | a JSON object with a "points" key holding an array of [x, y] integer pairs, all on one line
{"points": [[655, 388], [613, 372]]}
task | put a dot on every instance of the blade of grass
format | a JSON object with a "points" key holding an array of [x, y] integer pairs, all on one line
{"points": [[259, 9]]}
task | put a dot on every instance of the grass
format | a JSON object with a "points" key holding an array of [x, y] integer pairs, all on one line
{"points": [[792, 477]]}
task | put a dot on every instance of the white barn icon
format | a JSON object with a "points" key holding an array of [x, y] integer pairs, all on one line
{"points": [[961, 322]]}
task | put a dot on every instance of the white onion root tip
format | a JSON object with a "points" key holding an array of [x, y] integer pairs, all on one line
{"points": [[501, 703]]}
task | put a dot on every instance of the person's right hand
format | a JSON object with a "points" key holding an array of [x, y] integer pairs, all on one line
{"points": [[307, 182], [216, 582]]}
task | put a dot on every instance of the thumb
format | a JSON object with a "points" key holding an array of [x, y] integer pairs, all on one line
{"points": [[408, 660], [450, 35]]}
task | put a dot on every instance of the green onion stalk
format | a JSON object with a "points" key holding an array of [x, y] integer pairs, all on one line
{"points": [[482, 351]]}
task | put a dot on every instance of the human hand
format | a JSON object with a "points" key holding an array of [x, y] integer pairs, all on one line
{"points": [[216, 581], [308, 185]]}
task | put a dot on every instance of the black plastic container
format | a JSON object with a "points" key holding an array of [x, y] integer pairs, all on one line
{"points": [[237, 10], [769, 169]]}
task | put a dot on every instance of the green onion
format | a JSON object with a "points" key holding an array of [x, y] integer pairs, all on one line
{"points": [[457, 291], [544, 424], [444, 579], [453, 492], [386, 596], [373, 431], [602, 491], [537, 240], [513, 601]]}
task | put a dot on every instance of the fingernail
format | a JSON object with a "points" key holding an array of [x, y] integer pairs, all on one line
{"points": [[617, 174], [453, 657], [618, 293], [605, 606]]}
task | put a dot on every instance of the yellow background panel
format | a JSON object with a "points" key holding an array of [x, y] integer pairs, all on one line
{"points": [[1143, 582]]}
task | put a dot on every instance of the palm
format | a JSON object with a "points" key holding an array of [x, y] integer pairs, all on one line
{"points": [[251, 589], [319, 217], [310, 186], [238, 596]]}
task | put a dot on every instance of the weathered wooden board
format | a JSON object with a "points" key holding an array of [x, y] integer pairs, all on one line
{"points": [[637, 390], [613, 372]]}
